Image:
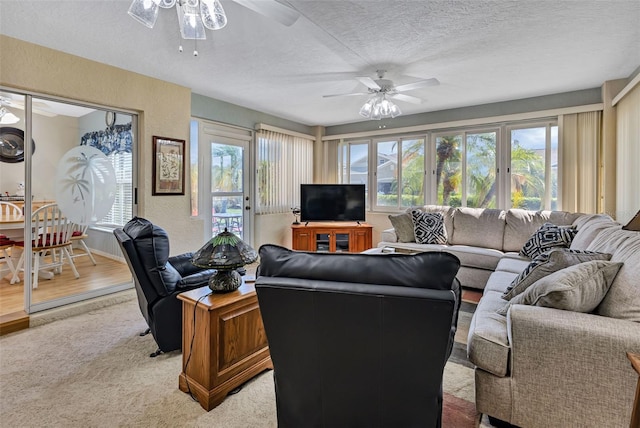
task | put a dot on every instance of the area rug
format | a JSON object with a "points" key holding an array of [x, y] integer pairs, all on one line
{"points": [[94, 370]]}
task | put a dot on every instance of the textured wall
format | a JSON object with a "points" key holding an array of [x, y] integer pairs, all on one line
{"points": [[164, 109]]}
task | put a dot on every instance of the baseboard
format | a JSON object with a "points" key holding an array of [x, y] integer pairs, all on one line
{"points": [[13, 322], [66, 311]]}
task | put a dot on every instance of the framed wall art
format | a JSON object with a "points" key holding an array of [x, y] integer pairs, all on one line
{"points": [[168, 166]]}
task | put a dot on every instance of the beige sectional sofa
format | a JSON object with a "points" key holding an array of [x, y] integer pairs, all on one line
{"points": [[539, 366], [482, 237]]}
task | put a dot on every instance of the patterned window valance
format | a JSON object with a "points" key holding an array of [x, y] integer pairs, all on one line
{"points": [[116, 139]]}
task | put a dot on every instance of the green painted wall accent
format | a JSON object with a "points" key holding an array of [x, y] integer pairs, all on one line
{"points": [[231, 114]]}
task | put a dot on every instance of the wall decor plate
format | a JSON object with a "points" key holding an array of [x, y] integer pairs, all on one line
{"points": [[12, 145]]}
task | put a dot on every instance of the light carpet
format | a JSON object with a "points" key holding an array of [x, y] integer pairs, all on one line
{"points": [[94, 370]]}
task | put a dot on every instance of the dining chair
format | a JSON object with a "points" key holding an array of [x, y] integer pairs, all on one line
{"points": [[8, 209], [5, 256], [78, 235], [51, 231]]}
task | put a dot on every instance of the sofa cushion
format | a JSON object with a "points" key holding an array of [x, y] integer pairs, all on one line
{"points": [[428, 227], [403, 225], [547, 237], [499, 280], [478, 227], [589, 226], [623, 299], [521, 224], [488, 343], [547, 263], [482, 258], [578, 288], [509, 263]]}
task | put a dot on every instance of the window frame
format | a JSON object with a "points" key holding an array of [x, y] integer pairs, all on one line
{"points": [[502, 132], [506, 182]]}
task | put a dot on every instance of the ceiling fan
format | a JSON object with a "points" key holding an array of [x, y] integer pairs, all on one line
{"points": [[38, 107], [386, 87]]}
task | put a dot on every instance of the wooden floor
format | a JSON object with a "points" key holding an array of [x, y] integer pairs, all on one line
{"points": [[107, 272]]}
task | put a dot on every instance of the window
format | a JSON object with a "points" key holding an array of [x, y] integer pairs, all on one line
{"points": [[400, 170], [283, 163], [116, 142], [464, 167], [465, 172], [122, 208], [534, 167]]}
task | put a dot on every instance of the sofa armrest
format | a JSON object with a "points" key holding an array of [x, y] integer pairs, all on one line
{"points": [[571, 368], [389, 235]]}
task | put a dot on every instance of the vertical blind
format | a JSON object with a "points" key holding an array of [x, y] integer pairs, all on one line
{"points": [[628, 154], [581, 140], [283, 163]]}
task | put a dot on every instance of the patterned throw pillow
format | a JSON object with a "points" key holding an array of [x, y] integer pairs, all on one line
{"points": [[547, 237], [547, 263], [429, 227]]}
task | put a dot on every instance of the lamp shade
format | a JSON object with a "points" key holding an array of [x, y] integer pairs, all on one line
{"points": [[144, 11], [225, 252]]}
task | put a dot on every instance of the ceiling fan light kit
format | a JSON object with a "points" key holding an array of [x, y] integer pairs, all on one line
{"points": [[379, 106], [194, 16]]}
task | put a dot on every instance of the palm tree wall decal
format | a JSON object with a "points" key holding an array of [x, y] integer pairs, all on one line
{"points": [[85, 185]]}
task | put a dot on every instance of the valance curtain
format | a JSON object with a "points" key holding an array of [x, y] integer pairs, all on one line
{"points": [[116, 139], [283, 163], [580, 169]]}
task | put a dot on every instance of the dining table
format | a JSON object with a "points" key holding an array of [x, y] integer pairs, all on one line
{"points": [[12, 226]]}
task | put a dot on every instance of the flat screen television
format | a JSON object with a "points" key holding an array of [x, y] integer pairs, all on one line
{"points": [[332, 202]]}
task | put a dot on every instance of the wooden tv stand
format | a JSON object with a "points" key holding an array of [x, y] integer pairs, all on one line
{"points": [[333, 237]]}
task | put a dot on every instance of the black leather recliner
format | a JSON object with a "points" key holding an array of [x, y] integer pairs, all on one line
{"points": [[159, 279], [358, 340]]}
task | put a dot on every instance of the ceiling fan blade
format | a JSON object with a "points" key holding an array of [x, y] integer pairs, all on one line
{"points": [[417, 85], [345, 95], [41, 111], [407, 98], [369, 83], [272, 9]]}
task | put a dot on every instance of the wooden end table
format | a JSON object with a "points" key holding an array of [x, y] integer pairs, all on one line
{"points": [[635, 415], [229, 345]]}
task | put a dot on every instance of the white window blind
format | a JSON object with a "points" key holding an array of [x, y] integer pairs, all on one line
{"points": [[283, 163], [122, 209]]}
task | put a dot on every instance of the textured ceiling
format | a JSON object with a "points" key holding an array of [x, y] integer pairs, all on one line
{"points": [[480, 51]]}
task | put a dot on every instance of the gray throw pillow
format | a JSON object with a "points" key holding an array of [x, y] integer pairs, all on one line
{"points": [[546, 237], [547, 263], [578, 288], [429, 227], [403, 226]]}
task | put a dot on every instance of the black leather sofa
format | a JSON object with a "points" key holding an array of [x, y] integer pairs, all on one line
{"points": [[358, 340], [158, 279]]}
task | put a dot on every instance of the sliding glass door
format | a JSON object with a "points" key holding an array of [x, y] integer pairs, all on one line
{"points": [[72, 144]]}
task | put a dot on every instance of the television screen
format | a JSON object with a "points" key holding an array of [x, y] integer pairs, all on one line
{"points": [[332, 202]]}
